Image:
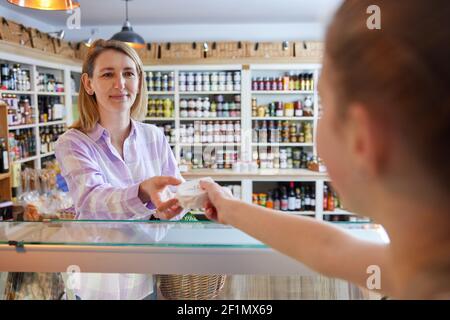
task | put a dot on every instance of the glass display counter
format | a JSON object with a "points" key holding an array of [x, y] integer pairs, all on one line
{"points": [[147, 247]]}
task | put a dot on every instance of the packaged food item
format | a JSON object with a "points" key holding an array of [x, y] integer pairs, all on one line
{"points": [[190, 194]]}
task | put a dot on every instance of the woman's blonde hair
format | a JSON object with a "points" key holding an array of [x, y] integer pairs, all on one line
{"points": [[87, 104]]}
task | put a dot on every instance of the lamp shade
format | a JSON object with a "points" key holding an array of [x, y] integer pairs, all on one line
{"points": [[130, 37], [47, 4]]}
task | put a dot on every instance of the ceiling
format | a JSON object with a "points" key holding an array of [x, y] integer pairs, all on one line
{"points": [[104, 13]]}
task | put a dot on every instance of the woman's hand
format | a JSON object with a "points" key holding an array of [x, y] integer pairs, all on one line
{"points": [[154, 190], [218, 206]]}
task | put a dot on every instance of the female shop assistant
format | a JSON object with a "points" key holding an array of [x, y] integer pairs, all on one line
{"points": [[115, 166]]}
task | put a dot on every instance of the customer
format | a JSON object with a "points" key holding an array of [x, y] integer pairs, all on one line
{"points": [[384, 136], [115, 166]]}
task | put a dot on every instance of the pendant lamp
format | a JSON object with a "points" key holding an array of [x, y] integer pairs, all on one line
{"points": [[47, 4], [127, 34]]}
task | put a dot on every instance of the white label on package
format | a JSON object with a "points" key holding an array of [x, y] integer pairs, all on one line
{"points": [[190, 194]]}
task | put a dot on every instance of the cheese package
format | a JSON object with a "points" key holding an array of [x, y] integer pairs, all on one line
{"points": [[190, 194]]}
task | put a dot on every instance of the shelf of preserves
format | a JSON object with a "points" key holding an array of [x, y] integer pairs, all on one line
{"points": [[281, 92], [281, 144], [47, 154], [23, 126], [26, 159], [284, 118], [52, 123], [42, 93], [17, 92], [163, 93], [206, 144], [158, 119], [258, 175], [210, 119], [184, 93]]}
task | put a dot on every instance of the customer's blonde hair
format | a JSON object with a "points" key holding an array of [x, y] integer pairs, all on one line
{"points": [[87, 104]]}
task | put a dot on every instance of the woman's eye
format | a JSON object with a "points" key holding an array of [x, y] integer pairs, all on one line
{"points": [[129, 74], [107, 75]]}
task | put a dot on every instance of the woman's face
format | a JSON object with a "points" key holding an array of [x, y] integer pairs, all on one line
{"points": [[115, 82], [335, 145]]}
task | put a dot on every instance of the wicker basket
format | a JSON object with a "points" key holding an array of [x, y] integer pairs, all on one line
{"points": [[191, 287]]}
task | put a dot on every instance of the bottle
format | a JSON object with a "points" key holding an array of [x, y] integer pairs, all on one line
{"points": [[4, 161], [313, 200], [291, 198], [284, 199], [276, 200], [325, 197], [330, 205], [298, 200], [269, 202], [298, 109]]}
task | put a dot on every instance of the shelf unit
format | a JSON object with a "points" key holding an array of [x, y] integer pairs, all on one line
{"points": [[246, 179], [5, 178], [36, 66]]}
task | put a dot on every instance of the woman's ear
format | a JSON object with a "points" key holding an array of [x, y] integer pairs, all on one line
{"points": [[368, 143], [87, 84]]}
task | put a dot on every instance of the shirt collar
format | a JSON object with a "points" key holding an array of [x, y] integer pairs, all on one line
{"points": [[97, 132], [100, 131]]}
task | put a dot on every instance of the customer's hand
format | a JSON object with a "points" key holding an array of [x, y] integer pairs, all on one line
{"points": [[217, 206], [155, 190]]}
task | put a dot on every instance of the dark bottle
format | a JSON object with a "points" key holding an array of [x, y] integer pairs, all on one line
{"points": [[313, 200], [307, 200], [276, 200], [303, 199], [284, 199], [291, 198], [298, 200], [4, 161]]}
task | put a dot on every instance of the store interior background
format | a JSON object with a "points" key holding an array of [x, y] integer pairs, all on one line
{"points": [[255, 21]]}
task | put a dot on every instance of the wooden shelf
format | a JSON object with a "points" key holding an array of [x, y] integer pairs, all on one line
{"points": [[4, 176]]}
